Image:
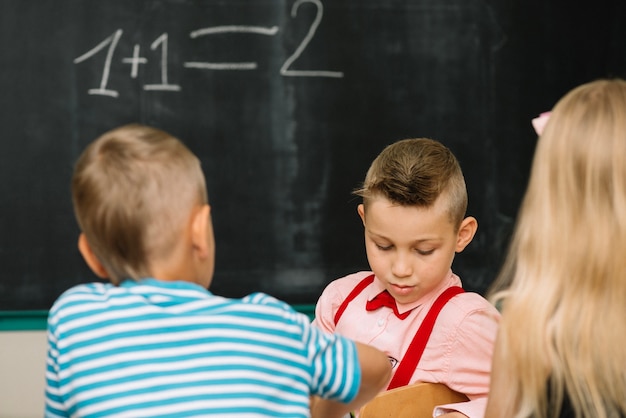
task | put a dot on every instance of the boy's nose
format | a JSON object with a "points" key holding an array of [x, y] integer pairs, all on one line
{"points": [[401, 267]]}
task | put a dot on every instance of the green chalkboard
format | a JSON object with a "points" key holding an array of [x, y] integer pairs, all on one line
{"points": [[286, 103]]}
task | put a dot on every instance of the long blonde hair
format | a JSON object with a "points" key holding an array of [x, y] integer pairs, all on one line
{"points": [[563, 285]]}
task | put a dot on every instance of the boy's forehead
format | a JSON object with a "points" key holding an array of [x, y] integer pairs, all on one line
{"points": [[385, 217]]}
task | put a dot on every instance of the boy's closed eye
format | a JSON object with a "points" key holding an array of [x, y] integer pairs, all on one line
{"points": [[425, 252], [384, 247], [419, 251]]}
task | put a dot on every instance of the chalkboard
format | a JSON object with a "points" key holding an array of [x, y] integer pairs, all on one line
{"points": [[286, 103]]}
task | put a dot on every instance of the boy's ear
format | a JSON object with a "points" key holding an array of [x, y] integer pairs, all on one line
{"points": [[90, 258], [466, 233], [202, 232], [361, 210]]}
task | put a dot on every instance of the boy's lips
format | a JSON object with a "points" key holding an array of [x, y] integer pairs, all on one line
{"points": [[401, 289]]}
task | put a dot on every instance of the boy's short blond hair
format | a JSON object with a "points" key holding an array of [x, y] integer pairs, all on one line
{"points": [[133, 190], [415, 172]]}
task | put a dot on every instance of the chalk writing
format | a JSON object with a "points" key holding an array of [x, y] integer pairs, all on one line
{"points": [[286, 70], [134, 61], [229, 29], [318, 18], [112, 42], [164, 86]]}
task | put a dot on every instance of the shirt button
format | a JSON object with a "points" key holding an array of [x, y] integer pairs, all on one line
{"points": [[381, 322]]}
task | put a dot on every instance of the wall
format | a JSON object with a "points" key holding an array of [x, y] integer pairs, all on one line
{"points": [[22, 371]]}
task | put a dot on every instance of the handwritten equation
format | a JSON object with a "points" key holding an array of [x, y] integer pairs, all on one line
{"points": [[136, 60]]}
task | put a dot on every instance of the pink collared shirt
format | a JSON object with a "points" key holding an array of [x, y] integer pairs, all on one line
{"points": [[458, 353]]}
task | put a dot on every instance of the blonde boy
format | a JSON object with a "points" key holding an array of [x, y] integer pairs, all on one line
{"points": [[154, 342], [413, 211]]}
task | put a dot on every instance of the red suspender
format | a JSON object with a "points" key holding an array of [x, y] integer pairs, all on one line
{"points": [[355, 292], [416, 348], [411, 358]]}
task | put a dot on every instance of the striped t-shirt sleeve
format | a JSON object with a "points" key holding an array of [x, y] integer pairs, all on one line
{"points": [[335, 369]]}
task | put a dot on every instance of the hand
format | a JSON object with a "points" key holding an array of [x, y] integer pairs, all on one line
{"points": [[324, 408]]}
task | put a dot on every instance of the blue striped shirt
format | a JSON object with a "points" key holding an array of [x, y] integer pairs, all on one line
{"points": [[173, 349]]}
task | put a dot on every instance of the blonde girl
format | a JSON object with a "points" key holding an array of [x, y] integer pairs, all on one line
{"points": [[561, 348]]}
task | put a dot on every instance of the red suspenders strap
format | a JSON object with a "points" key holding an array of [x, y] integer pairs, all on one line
{"points": [[411, 358], [407, 366], [355, 292]]}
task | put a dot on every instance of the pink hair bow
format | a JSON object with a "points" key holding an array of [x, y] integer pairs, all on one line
{"points": [[540, 122]]}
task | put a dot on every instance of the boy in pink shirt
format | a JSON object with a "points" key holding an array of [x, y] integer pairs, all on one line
{"points": [[413, 212]]}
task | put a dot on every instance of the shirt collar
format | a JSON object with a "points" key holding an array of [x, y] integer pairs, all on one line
{"points": [[163, 284], [450, 280]]}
